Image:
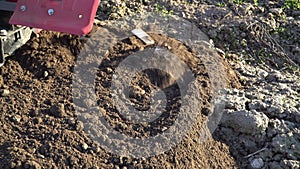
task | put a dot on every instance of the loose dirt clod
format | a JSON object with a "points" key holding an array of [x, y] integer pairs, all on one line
{"points": [[32, 165], [4, 92], [85, 146], [79, 126], [58, 110]]}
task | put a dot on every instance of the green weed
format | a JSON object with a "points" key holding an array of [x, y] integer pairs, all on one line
{"points": [[221, 4], [163, 10], [292, 4], [238, 1]]}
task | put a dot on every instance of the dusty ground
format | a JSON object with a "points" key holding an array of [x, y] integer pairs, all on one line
{"points": [[38, 125]]}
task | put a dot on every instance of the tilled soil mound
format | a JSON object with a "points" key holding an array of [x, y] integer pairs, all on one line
{"points": [[39, 128]]}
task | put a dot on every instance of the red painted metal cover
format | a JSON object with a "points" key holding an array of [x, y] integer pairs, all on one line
{"points": [[70, 16]]}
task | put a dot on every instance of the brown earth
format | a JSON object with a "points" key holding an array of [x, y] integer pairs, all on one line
{"points": [[38, 125]]}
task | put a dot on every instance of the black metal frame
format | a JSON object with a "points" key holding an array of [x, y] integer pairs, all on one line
{"points": [[7, 6]]}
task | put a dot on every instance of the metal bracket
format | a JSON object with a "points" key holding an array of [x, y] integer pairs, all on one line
{"points": [[12, 40], [11, 36]]}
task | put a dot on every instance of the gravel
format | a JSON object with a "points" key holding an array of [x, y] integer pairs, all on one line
{"points": [[4, 92]]}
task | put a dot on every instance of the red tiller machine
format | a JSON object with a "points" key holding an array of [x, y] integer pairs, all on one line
{"points": [[19, 18]]}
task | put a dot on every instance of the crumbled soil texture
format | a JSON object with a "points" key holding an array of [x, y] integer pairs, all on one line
{"points": [[38, 125]]}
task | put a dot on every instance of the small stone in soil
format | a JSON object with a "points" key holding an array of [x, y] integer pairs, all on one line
{"points": [[85, 146], [257, 163], [40, 156], [96, 149], [46, 74], [38, 120], [79, 126], [58, 110], [17, 118], [13, 165], [109, 70], [71, 121], [4, 92]]}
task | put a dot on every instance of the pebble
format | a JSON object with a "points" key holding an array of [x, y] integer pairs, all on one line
{"points": [[96, 149], [40, 156], [13, 165], [296, 49], [167, 46], [85, 146], [109, 70], [71, 121], [262, 73], [4, 92], [257, 163], [46, 74], [79, 126], [17, 118]]}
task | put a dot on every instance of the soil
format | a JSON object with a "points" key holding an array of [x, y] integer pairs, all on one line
{"points": [[39, 128]]}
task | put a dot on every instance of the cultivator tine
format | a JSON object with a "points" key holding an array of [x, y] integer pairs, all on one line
{"points": [[11, 40]]}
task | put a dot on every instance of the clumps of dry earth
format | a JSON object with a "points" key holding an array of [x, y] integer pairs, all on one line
{"points": [[259, 129], [264, 32], [261, 122], [261, 41], [40, 128]]}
